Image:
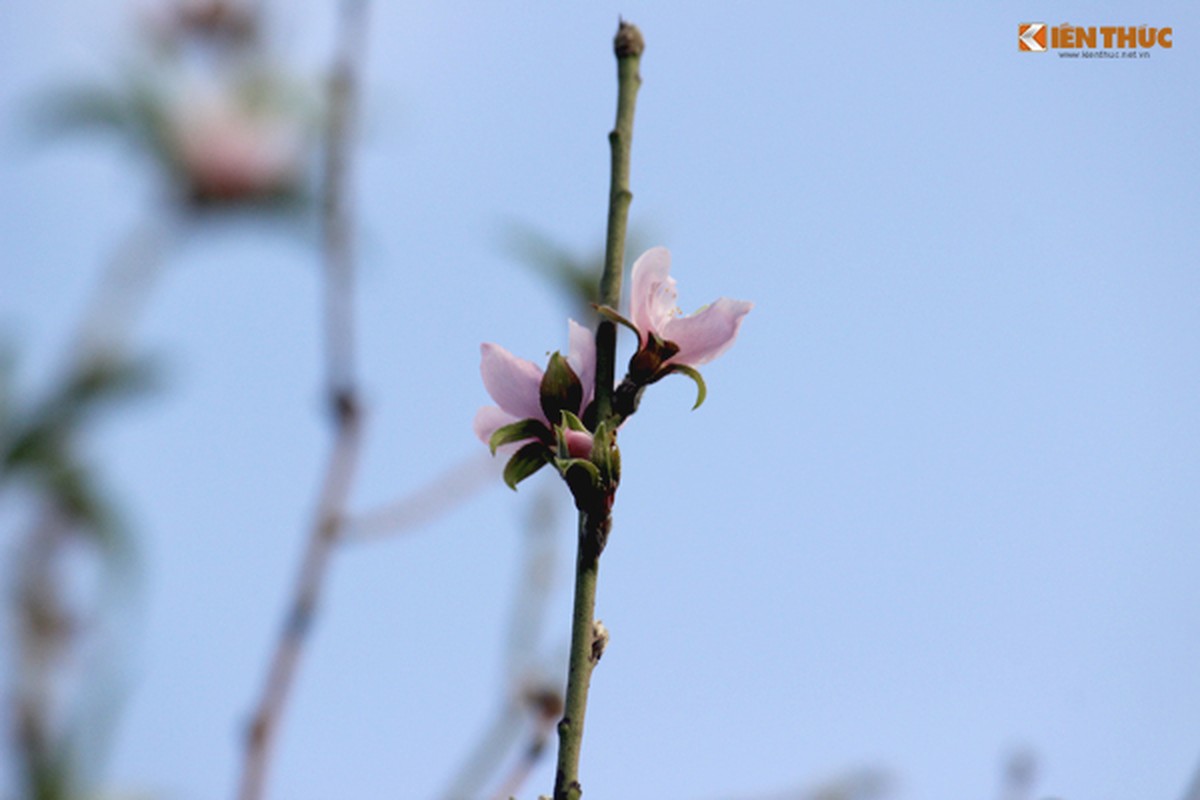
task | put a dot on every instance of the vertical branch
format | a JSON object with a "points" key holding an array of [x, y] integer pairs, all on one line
{"points": [[44, 637], [51, 627], [583, 657], [628, 47], [323, 536], [337, 221], [595, 520], [338, 251]]}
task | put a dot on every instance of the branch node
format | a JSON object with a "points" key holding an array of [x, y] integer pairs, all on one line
{"points": [[600, 638], [345, 406]]}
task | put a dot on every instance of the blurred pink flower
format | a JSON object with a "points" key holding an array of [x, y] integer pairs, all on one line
{"points": [[515, 385], [229, 148], [700, 337]]}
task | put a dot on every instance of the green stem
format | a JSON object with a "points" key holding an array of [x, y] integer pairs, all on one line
{"points": [[628, 46], [586, 649], [587, 643]]}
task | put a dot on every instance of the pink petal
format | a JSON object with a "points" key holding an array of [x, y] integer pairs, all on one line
{"points": [[652, 291], [579, 444], [581, 355], [490, 419], [706, 334], [512, 382]]}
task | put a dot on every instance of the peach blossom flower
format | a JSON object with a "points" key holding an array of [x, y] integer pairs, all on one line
{"points": [[700, 337], [515, 385]]}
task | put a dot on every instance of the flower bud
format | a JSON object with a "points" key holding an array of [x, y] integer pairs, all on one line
{"points": [[561, 389]]}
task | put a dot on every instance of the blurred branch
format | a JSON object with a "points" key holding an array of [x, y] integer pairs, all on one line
{"points": [[488, 752], [441, 495], [39, 446], [323, 536], [527, 619], [45, 631], [1193, 790], [337, 218], [342, 396], [1019, 774], [532, 753], [119, 299], [861, 784], [62, 736], [527, 696]]}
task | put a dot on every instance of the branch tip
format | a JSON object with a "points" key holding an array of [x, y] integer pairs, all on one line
{"points": [[628, 42]]}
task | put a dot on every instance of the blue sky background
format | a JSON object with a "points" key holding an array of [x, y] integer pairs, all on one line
{"points": [[941, 503]]}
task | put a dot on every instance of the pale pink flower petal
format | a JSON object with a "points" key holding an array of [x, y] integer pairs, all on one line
{"points": [[513, 383], [490, 419], [581, 356], [706, 334], [652, 291], [700, 337]]}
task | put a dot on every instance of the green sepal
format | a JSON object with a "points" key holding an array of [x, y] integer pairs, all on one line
{"points": [[565, 465], [615, 465], [526, 461], [611, 314], [701, 390], [517, 432], [582, 477], [561, 389], [603, 450], [573, 422]]}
